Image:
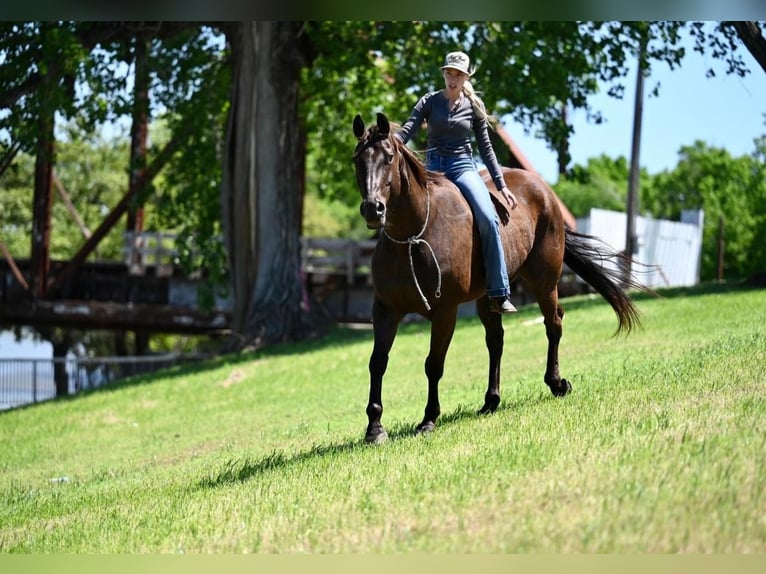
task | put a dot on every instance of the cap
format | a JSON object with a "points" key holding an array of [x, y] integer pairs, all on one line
{"points": [[458, 61]]}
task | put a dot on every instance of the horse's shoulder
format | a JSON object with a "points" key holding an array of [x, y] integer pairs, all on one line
{"points": [[441, 183], [446, 193]]}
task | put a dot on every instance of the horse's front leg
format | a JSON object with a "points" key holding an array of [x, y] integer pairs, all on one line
{"points": [[385, 324], [442, 329], [493, 338]]}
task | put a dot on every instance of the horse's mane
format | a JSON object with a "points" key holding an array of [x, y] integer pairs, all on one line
{"points": [[414, 163]]}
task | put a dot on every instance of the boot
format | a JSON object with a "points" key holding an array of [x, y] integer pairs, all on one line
{"points": [[501, 305]]}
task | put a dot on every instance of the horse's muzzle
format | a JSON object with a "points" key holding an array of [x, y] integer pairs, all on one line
{"points": [[374, 213]]}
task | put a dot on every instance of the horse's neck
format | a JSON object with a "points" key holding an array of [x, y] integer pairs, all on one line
{"points": [[410, 214]]}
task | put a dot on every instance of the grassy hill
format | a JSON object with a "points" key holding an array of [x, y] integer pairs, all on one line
{"points": [[659, 448]]}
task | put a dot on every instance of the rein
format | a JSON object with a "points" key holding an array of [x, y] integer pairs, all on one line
{"points": [[414, 240]]}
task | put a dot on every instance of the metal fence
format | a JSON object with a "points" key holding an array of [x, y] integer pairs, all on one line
{"points": [[29, 381]]}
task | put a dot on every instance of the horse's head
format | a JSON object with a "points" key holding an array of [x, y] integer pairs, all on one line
{"points": [[375, 162]]}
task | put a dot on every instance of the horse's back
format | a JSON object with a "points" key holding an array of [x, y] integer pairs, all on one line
{"points": [[456, 267], [532, 233], [534, 239], [536, 222]]}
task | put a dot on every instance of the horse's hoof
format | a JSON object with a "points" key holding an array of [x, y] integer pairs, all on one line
{"points": [[562, 389], [377, 435], [491, 402], [425, 427]]}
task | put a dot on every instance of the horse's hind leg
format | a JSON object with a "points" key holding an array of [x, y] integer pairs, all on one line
{"points": [[553, 313], [385, 324], [493, 337], [442, 329]]}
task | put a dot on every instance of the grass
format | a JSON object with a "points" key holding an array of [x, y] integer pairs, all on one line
{"points": [[660, 447]]}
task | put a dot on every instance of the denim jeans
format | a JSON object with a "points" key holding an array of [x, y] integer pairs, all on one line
{"points": [[462, 171]]}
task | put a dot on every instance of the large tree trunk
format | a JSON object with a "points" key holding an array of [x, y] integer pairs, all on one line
{"points": [[43, 196], [261, 195]]}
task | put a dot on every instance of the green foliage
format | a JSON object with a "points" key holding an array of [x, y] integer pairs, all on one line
{"points": [[73, 68], [191, 84], [729, 189], [16, 207], [92, 171], [332, 218], [525, 70], [356, 69], [658, 449], [602, 183], [41, 52], [528, 71]]}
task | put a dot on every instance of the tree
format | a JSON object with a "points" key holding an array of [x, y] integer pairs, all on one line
{"points": [[263, 164], [295, 88], [725, 187], [533, 73], [751, 35], [46, 61], [183, 67], [601, 183]]}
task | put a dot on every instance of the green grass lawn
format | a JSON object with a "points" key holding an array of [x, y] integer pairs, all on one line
{"points": [[661, 447]]}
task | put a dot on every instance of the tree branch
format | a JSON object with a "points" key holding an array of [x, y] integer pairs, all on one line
{"points": [[750, 34], [9, 156], [117, 212], [92, 34]]}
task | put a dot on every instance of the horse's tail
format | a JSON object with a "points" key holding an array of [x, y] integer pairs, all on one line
{"points": [[586, 255]]}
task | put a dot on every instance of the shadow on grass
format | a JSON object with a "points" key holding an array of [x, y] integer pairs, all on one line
{"points": [[238, 471]]}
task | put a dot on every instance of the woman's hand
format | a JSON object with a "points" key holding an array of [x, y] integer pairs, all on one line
{"points": [[509, 197]]}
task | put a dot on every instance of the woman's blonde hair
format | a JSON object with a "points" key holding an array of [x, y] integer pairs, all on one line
{"points": [[478, 103]]}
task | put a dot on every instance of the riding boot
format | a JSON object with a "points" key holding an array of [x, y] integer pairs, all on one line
{"points": [[501, 305]]}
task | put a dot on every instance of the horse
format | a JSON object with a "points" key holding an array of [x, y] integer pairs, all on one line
{"points": [[427, 261]]}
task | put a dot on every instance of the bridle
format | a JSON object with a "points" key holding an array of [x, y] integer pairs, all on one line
{"points": [[413, 240]]}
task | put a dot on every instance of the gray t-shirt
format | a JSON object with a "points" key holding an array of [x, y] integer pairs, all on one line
{"points": [[449, 132]]}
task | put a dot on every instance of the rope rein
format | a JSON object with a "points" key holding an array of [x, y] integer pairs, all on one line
{"points": [[414, 240]]}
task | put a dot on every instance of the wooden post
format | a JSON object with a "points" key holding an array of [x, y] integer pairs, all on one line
{"points": [[138, 140], [631, 241]]}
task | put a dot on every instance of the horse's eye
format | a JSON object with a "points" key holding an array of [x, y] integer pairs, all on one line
{"points": [[390, 159]]}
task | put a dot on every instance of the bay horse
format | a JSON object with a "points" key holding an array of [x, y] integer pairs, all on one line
{"points": [[428, 261]]}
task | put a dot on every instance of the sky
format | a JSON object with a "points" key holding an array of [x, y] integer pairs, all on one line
{"points": [[724, 112]]}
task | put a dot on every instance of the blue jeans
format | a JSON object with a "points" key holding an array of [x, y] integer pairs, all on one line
{"points": [[463, 173]]}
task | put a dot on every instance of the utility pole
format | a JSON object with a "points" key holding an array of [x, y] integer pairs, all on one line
{"points": [[631, 240]]}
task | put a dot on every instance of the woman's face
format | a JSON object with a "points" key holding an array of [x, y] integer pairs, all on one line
{"points": [[454, 79]]}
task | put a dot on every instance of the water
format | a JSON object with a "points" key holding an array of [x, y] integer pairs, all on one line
{"points": [[26, 348], [27, 370], [20, 385]]}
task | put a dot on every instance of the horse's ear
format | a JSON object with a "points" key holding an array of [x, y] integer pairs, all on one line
{"points": [[358, 126], [383, 125]]}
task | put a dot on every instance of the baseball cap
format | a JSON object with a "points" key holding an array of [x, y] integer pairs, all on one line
{"points": [[458, 61]]}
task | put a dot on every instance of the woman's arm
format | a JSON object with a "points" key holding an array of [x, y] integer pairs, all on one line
{"points": [[411, 127]]}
